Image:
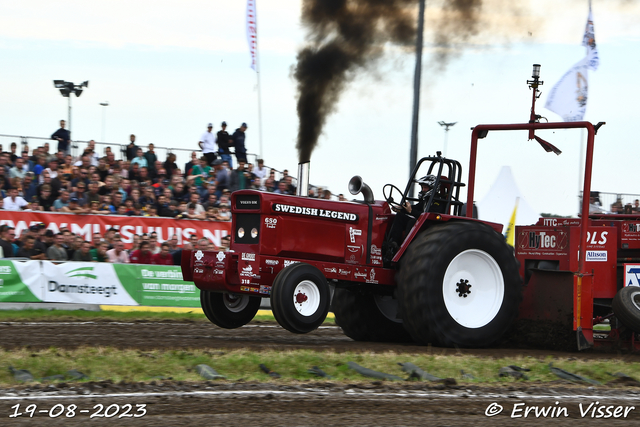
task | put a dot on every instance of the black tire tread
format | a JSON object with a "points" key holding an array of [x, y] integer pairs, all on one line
{"points": [[625, 310], [420, 281], [213, 307], [361, 320]]}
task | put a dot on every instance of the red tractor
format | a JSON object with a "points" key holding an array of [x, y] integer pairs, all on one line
{"points": [[440, 277]]}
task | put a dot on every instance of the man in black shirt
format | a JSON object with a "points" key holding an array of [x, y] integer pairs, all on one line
{"points": [[64, 138], [223, 140], [5, 242], [28, 250]]}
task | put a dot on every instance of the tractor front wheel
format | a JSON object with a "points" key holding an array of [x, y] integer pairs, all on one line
{"points": [[626, 307], [368, 317], [227, 310], [300, 298], [459, 285]]}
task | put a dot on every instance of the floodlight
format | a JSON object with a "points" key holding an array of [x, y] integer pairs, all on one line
{"points": [[536, 71]]}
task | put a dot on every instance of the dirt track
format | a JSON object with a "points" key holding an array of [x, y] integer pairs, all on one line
{"points": [[206, 403]]}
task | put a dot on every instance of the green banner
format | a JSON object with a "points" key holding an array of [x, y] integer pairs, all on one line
{"points": [[157, 285], [12, 287]]}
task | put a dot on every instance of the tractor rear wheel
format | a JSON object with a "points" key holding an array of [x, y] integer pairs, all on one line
{"points": [[626, 307], [229, 311], [368, 317], [300, 298], [459, 285]]}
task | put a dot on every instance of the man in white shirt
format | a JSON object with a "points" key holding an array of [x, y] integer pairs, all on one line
{"points": [[14, 202], [207, 145]]}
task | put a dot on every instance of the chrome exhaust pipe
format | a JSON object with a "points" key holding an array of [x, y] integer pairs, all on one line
{"points": [[356, 185], [303, 179]]}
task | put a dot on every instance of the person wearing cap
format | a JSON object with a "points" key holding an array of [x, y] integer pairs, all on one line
{"points": [[224, 141], [207, 145], [239, 143], [73, 207]]}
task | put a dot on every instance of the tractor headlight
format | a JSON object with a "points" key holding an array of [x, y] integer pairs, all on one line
{"points": [[254, 233], [240, 232]]}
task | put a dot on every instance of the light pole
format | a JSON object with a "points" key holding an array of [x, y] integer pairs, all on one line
{"points": [[66, 88], [105, 104], [446, 132]]}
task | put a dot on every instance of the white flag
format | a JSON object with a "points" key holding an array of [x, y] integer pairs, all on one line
{"points": [[589, 40], [252, 31], [568, 98]]}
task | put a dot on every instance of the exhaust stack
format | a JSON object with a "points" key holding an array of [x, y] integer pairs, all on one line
{"points": [[303, 179], [356, 185]]}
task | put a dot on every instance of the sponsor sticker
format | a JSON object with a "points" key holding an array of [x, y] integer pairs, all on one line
{"points": [[199, 255], [265, 289], [272, 262], [287, 262], [632, 274], [248, 289], [375, 250], [270, 222], [596, 256], [221, 256], [248, 257], [247, 271], [330, 270], [353, 232]]}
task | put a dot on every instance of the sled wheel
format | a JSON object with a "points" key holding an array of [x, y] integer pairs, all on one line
{"points": [[626, 307], [228, 310], [459, 285], [300, 298], [368, 317]]}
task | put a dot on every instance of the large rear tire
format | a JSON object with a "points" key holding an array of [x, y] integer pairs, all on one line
{"points": [[229, 311], [459, 286], [300, 298], [626, 307], [367, 317]]}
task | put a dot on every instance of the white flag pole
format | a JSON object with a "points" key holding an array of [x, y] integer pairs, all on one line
{"points": [[259, 94]]}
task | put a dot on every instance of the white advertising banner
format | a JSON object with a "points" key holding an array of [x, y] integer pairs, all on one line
{"points": [[88, 283]]}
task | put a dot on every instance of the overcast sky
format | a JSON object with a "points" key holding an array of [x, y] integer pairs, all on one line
{"points": [[168, 68]]}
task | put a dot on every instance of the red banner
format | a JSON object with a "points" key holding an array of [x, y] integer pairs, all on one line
{"points": [[128, 226]]}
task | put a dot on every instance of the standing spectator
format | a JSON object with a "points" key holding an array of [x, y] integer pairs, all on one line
{"points": [[191, 163], [170, 165], [208, 145], [140, 159], [240, 178], [83, 253], [142, 255], [260, 171], [151, 157], [13, 156], [132, 148], [163, 257], [223, 140], [56, 252], [238, 143], [64, 138], [14, 202], [118, 254]]}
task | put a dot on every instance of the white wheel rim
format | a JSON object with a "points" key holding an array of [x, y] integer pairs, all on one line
{"points": [[306, 298], [634, 298], [388, 306], [485, 295], [235, 303]]}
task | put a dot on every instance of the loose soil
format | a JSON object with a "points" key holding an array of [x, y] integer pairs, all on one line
{"points": [[171, 403]]}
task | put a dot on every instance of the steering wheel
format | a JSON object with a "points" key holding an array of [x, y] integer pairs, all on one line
{"points": [[389, 198]]}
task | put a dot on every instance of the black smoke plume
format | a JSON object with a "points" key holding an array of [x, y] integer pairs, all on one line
{"points": [[348, 35]]}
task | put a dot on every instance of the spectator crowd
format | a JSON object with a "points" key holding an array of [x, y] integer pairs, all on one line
{"points": [[138, 184]]}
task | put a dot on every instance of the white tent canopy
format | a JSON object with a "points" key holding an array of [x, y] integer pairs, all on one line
{"points": [[497, 206]]}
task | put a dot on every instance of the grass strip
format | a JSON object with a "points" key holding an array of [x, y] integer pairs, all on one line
{"points": [[44, 315], [106, 363]]}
